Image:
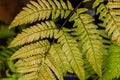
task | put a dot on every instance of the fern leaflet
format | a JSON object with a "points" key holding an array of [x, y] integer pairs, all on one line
{"points": [[41, 74], [33, 49], [89, 39], [42, 10], [112, 66], [74, 56], [109, 14], [60, 61], [43, 30]]}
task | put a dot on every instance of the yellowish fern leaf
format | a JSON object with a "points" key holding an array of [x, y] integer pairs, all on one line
{"points": [[30, 76], [28, 69], [60, 55], [97, 2], [49, 61], [29, 61], [42, 10], [90, 40], [109, 14], [59, 61], [74, 56], [33, 49], [39, 31], [43, 74]]}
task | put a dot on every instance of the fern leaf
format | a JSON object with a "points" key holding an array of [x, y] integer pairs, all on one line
{"points": [[59, 61], [42, 10], [112, 66], [89, 40], [43, 30], [30, 76], [33, 49], [60, 55], [97, 2], [70, 48], [54, 67], [29, 61], [43, 74], [28, 69], [109, 14]]}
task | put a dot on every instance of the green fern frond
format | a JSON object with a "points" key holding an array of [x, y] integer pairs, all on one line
{"points": [[44, 9], [41, 74], [43, 30], [74, 56], [112, 66], [89, 39], [5, 53], [109, 14], [33, 49]]}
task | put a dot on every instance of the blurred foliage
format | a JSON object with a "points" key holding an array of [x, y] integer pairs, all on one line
{"points": [[5, 32]]}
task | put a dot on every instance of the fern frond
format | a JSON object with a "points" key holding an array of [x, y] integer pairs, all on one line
{"points": [[30, 76], [54, 67], [59, 61], [112, 66], [44, 9], [74, 56], [29, 61], [97, 2], [42, 74], [33, 49], [109, 14], [43, 30], [89, 39], [28, 69], [5, 53]]}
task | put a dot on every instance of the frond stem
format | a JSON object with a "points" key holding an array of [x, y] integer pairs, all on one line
{"points": [[71, 13]]}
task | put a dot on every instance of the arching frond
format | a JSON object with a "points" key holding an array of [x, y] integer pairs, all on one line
{"points": [[89, 39], [74, 56], [59, 61], [44, 9], [109, 14], [41, 74], [112, 66], [33, 49], [39, 31]]}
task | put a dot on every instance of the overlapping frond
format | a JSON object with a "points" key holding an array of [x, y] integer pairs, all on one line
{"points": [[42, 74], [89, 39], [44, 9], [58, 60], [112, 66], [110, 14], [44, 30], [33, 49], [70, 48]]}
